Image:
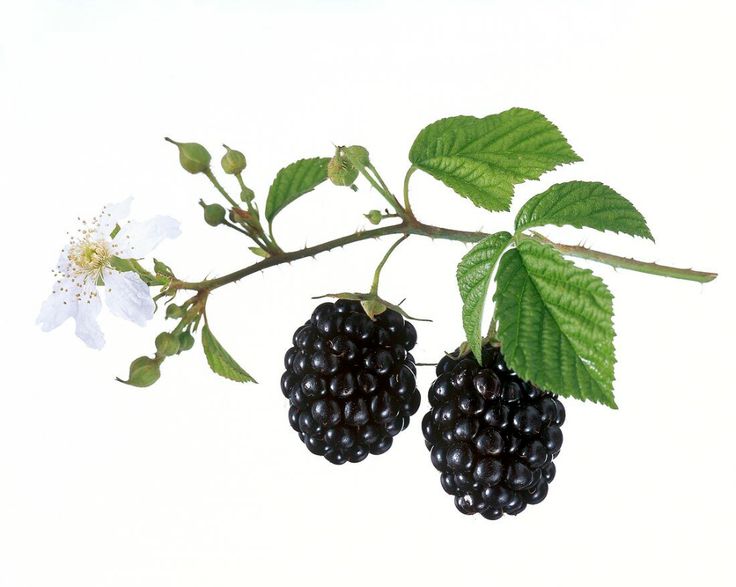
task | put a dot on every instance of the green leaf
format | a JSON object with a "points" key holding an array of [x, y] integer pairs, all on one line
{"points": [[220, 360], [583, 203], [473, 276], [484, 158], [555, 323], [293, 181]]}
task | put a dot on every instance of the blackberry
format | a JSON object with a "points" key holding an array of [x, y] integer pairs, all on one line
{"points": [[351, 381], [492, 436]]}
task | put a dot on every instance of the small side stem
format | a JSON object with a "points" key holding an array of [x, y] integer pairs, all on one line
{"points": [[407, 204], [377, 274], [388, 196], [213, 179]]}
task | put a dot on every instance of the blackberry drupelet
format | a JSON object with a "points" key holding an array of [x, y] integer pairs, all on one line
{"points": [[351, 381], [492, 436]]}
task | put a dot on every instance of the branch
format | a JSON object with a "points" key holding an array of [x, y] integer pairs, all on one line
{"points": [[416, 228]]}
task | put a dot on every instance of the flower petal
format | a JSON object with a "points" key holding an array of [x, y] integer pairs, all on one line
{"points": [[137, 239], [128, 296], [57, 308], [111, 215], [87, 328]]}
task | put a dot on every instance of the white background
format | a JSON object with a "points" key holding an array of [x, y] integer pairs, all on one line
{"points": [[200, 481]]}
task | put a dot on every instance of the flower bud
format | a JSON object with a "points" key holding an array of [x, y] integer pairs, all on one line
{"points": [[186, 341], [144, 371], [374, 216], [357, 155], [174, 311], [341, 171], [214, 214], [232, 161], [193, 156], [247, 194], [167, 344]]}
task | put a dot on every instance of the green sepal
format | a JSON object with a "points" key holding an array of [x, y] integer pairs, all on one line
{"points": [[372, 304], [148, 278], [162, 268]]}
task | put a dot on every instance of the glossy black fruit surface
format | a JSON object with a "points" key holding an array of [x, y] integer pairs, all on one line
{"points": [[491, 435], [351, 381]]}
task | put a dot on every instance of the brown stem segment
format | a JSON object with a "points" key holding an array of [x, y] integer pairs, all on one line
{"points": [[402, 228]]}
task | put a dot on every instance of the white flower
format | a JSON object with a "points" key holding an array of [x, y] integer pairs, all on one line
{"points": [[84, 271]]}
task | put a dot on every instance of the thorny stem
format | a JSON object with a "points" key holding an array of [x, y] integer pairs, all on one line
{"points": [[417, 228], [377, 274], [627, 263]]}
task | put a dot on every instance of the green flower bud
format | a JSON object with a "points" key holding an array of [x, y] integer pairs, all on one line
{"points": [[144, 371], [167, 344], [374, 216], [357, 155], [174, 311], [341, 171], [214, 214], [233, 161], [186, 341], [247, 194], [193, 156]]}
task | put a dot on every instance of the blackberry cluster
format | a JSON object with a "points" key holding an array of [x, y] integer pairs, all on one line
{"points": [[351, 381], [492, 435]]}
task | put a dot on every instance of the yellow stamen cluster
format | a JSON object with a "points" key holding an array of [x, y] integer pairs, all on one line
{"points": [[86, 256]]}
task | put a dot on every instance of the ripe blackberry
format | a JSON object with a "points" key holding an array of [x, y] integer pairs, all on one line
{"points": [[351, 381], [491, 435]]}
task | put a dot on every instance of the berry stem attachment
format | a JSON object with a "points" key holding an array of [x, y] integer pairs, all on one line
{"points": [[377, 274]]}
